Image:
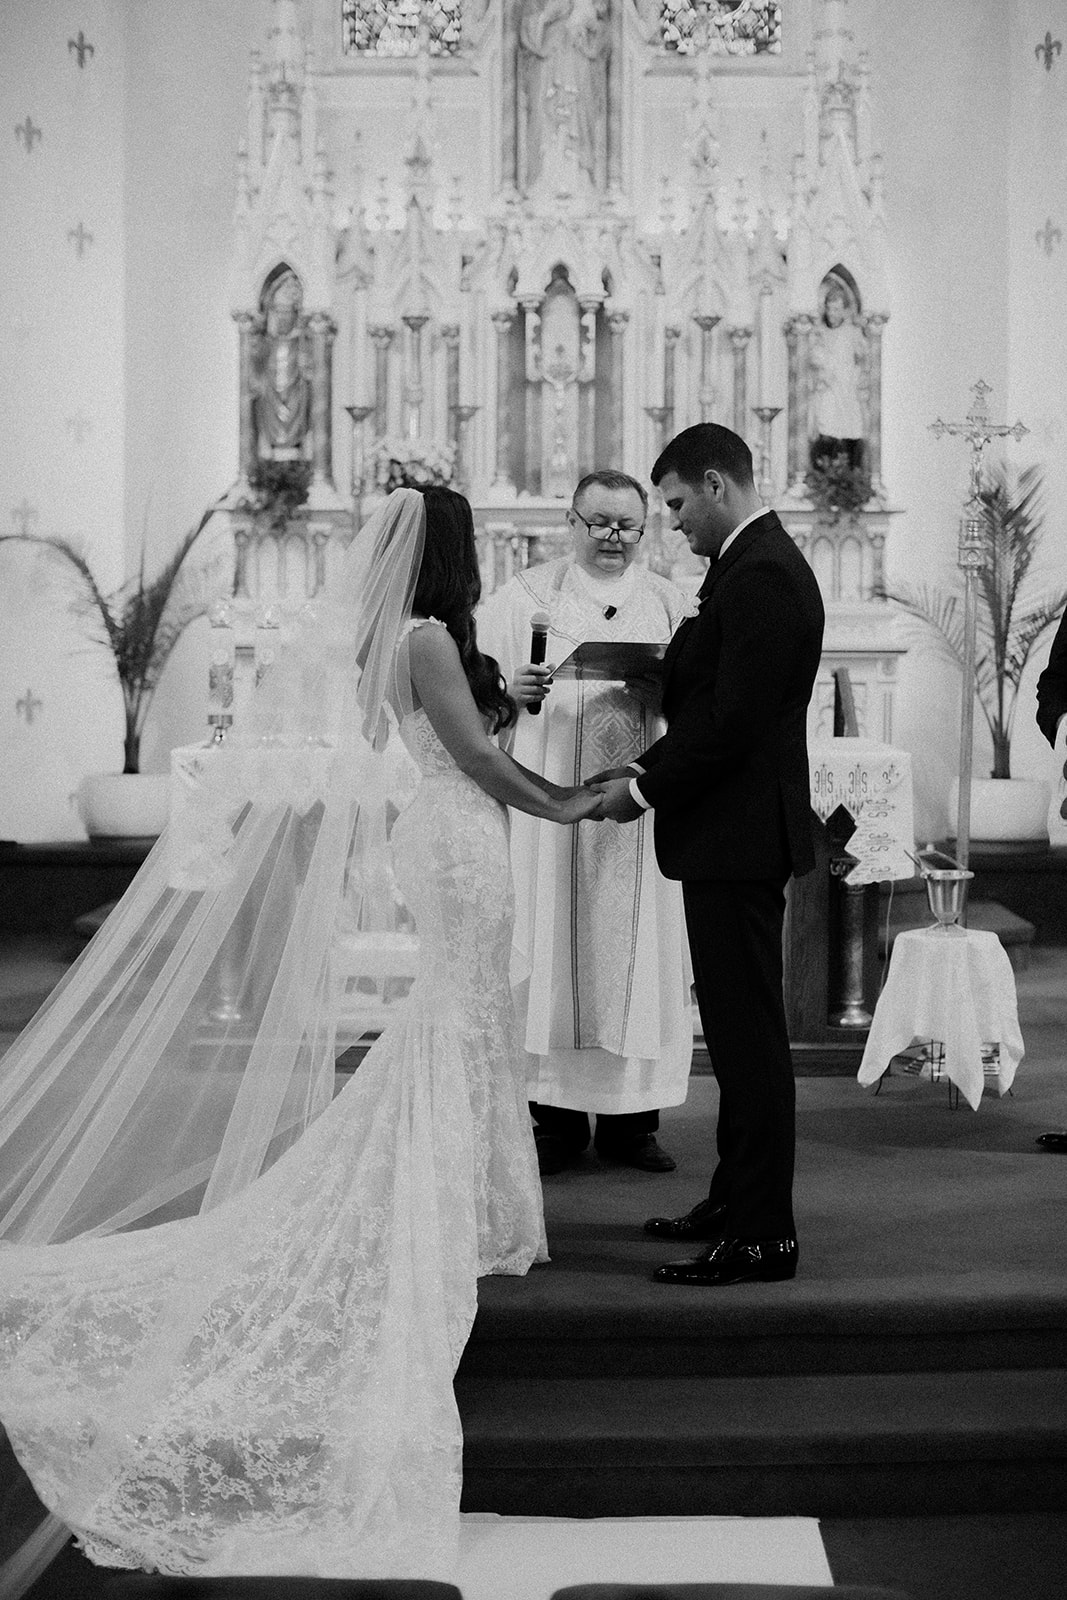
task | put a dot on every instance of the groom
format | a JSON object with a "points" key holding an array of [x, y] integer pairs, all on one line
{"points": [[728, 785]]}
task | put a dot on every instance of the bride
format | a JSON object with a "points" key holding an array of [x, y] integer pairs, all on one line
{"points": [[231, 1306]]}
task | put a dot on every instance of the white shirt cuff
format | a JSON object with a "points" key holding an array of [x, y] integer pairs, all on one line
{"points": [[646, 805]]}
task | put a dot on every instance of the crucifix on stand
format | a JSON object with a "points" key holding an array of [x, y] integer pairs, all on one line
{"points": [[978, 431]]}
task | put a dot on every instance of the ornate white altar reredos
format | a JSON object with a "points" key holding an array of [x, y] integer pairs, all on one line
{"points": [[514, 240]]}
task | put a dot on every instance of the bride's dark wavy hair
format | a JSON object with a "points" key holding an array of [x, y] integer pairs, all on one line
{"points": [[449, 587]]}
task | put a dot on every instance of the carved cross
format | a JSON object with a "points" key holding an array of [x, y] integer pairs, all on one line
{"points": [[80, 237], [81, 48], [1047, 50], [79, 426], [28, 705], [28, 133], [977, 430], [1049, 236], [23, 515]]}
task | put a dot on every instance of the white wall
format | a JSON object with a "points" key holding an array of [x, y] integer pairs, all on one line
{"points": [[63, 406]]}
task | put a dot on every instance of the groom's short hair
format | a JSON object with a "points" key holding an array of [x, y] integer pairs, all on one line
{"points": [[707, 447]]}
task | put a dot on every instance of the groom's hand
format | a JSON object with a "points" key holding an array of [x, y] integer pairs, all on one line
{"points": [[607, 775], [617, 804]]}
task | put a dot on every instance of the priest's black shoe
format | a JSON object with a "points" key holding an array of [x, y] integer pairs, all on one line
{"points": [[734, 1261], [705, 1221]]}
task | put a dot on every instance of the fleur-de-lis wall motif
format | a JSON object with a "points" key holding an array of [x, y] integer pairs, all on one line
{"points": [[1048, 50], [80, 238], [28, 706], [1049, 236], [28, 133], [81, 48]]}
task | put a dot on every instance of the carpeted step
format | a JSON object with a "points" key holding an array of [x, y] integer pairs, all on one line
{"points": [[615, 1330], [886, 1444]]}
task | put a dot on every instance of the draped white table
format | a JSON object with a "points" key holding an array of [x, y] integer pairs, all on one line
{"points": [[955, 986]]}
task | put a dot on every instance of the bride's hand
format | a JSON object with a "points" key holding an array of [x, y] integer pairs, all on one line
{"points": [[578, 806]]}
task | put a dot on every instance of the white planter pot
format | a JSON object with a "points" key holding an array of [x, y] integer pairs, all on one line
{"points": [[125, 805], [1005, 810]]}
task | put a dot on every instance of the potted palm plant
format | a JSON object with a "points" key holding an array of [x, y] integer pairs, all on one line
{"points": [[1011, 621], [140, 622]]}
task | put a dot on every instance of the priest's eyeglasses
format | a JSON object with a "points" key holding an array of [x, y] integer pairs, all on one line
{"points": [[608, 530]]}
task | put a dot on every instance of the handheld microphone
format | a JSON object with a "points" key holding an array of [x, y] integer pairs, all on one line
{"points": [[609, 611], [539, 626]]}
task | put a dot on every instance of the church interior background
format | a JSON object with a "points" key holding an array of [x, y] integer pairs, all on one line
{"points": [[299, 246]]}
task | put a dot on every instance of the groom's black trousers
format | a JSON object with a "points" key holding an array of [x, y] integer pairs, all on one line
{"points": [[735, 935]]}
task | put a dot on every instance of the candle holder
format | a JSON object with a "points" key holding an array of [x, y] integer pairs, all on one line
{"points": [[359, 415], [221, 670], [658, 416], [766, 415], [461, 417]]}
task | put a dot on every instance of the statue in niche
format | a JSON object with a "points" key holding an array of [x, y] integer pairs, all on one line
{"points": [[282, 403], [563, 81], [838, 366]]}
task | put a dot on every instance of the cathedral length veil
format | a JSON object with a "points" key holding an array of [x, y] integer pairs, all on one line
{"points": [[132, 1099]]}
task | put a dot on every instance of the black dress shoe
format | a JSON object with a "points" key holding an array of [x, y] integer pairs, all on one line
{"points": [[734, 1261], [1055, 1140], [705, 1221], [646, 1153]]}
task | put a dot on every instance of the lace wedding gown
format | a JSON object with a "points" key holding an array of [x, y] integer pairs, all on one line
{"points": [[267, 1387]]}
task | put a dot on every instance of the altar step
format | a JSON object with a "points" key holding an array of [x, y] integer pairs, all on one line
{"points": [[827, 1445]]}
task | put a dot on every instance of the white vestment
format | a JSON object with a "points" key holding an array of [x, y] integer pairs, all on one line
{"points": [[601, 962]]}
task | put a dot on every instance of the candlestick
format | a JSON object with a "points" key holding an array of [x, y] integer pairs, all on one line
{"points": [[766, 415], [221, 669]]}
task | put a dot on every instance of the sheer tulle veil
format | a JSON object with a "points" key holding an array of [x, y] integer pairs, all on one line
{"points": [[133, 1096]]}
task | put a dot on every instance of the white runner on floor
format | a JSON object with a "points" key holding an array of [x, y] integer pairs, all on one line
{"points": [[529, 1558]]}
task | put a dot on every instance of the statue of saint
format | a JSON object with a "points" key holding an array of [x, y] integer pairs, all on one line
{"points": [[283, 388], [563, 81], [838, 363]]}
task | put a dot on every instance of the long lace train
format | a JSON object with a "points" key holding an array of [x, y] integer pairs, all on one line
{"points": [[267, 1387]]}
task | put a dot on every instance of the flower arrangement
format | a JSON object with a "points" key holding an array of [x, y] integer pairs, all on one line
{"points": [[837, 488], [1010, 621], [410, 464], [278, 488], [140, 622]]}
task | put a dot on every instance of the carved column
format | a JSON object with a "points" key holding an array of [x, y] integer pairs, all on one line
{"points": [[707, 325], [502, 321], [873, 326], [381, 338], [533, 374], [617, 324], [450, 339], [805, 324], [615, 96], [414, 322], [247, 327], [739, 338], [322, 330], [587, 387], [670, 360], [509, 98], [792, 449]]}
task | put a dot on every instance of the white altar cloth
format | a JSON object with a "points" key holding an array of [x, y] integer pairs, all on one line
{"points": [[955, 985], [873, 782]]}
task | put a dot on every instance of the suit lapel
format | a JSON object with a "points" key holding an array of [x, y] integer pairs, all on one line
{"points": [[745, 539]]}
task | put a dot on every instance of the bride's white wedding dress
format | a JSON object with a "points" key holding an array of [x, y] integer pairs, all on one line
{"points": [[267, 1387]]}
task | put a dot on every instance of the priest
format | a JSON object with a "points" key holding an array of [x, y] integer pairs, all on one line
{"points": [[601, 966]]}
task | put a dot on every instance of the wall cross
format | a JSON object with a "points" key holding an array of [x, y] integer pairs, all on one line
{"points": [[81, 48], [28, 706], [28, 133], [80, 237], [79, 426], [22, 516]]}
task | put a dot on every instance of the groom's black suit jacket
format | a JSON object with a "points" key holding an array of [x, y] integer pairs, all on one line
{"points": [[729, 778]]}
